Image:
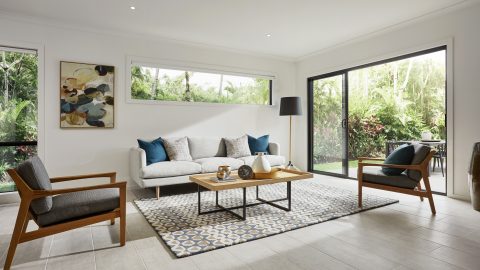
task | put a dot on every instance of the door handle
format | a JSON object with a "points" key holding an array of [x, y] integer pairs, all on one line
{"points": [[344, 123]]}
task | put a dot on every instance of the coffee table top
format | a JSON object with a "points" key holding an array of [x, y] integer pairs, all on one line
{"points": [[284, 175]]}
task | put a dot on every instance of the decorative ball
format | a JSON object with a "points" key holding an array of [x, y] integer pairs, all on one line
{"points": [[245, 172]]}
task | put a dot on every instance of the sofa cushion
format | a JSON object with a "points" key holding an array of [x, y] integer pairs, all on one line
{"points": [[170, 168], [33, 172], [237, 147], [421, 152], [403, 155], [377, 176], [177, 149], [206, 147], [211, 164], [274, 160], [154, 150], [259, 144], [80, 204]]}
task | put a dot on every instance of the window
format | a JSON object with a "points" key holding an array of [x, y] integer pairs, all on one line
{"points": [[18, 110], [368, 110], [187, 85]]}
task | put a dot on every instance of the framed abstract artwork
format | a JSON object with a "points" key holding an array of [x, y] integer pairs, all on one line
{"points": [[86, 95]]}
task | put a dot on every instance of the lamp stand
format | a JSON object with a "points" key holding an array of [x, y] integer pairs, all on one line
{"points": [[290, 165]]}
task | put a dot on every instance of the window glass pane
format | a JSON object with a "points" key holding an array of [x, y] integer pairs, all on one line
{"points": [[18, 110], [327, 125], [193, 86]]}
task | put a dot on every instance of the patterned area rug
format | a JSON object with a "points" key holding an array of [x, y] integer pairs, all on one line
{"points": [[176, 220]]}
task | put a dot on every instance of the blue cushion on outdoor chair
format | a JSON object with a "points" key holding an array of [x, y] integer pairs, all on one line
{"points": [[403, 155]]}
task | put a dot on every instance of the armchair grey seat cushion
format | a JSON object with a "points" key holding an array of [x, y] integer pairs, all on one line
{"points": [[80, 204], [33, 172], [376, 176]]}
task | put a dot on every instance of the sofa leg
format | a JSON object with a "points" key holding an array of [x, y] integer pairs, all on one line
{"points": [[158, 192]]}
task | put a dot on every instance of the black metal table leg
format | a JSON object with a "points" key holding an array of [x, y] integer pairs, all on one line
{"points": [[244, 203], [289, 195], [199, 200]]}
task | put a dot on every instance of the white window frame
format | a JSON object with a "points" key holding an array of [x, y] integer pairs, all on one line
{"points": [[11, 197], [195, 67]]}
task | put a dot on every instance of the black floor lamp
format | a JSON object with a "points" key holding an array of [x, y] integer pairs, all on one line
{"points": [[290, 106]]}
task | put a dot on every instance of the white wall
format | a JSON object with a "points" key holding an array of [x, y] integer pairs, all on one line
{"points": [[460, 25], [75, 151]]}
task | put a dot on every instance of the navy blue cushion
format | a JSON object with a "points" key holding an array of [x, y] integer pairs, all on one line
{"points": [[259, 144], [403, 155], [155, 150]]}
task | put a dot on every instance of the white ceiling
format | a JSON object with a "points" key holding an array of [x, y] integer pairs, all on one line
{"points": [[297, 27]]}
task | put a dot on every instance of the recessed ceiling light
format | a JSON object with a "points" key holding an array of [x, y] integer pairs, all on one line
{"points": [[132, 7], [268, 35]]}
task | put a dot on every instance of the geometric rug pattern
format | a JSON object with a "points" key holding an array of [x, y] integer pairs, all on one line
{"points": [[177, 222]]}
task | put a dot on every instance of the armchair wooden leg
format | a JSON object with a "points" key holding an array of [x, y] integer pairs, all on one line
{"points": [[123, 212], [429, 194], [157, 189], [419, 188], [20, 228]]}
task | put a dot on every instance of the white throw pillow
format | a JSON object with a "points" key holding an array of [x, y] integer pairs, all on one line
{"points": [[177, 149], [237, 147]]}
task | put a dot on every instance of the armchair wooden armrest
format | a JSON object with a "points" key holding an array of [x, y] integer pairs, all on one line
{"points": [[360, 159], [111, 175], [406, 167], [44, 193]]}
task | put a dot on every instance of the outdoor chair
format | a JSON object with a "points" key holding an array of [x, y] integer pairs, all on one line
{"points": [[59, 210], [439, 157], [370, 175]]}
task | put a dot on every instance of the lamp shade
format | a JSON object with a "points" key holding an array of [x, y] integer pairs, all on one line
{"points": [[290, 106]]}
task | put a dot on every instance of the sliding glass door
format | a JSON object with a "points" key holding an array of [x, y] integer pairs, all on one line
{"points": [[368, 111], [328, 124]]}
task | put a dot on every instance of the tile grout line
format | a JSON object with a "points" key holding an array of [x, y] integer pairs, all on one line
{"points": [[93, 247], [49, 252]]}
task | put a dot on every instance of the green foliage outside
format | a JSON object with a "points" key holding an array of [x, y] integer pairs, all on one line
{"points": [[18, 110], [148, 86], [393, 101]]}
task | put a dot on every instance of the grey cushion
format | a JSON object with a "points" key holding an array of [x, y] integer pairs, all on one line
{"points": [[206, 147], [274, 160], [375, 175], [170, 168], [421, 152], [211, 164], [237, 147], [81, 204], [35, 175], [177, 149]]}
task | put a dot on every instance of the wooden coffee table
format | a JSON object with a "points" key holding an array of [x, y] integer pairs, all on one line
{"points": [[207, 181]]}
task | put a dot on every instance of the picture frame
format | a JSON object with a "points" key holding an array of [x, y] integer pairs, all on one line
{"points": [[87, 95]]}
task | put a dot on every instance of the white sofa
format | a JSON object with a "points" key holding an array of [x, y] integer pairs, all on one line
{"points": [[207, 154]]}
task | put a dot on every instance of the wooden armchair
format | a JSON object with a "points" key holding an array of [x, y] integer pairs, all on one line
{"points": [[406, 183], [59, 210]]}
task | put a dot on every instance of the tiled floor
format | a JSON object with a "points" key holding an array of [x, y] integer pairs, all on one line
{"points": [[399, 236]]}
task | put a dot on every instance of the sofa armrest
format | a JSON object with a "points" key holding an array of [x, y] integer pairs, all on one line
{"points": [[274, 148], [138, 160]]}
